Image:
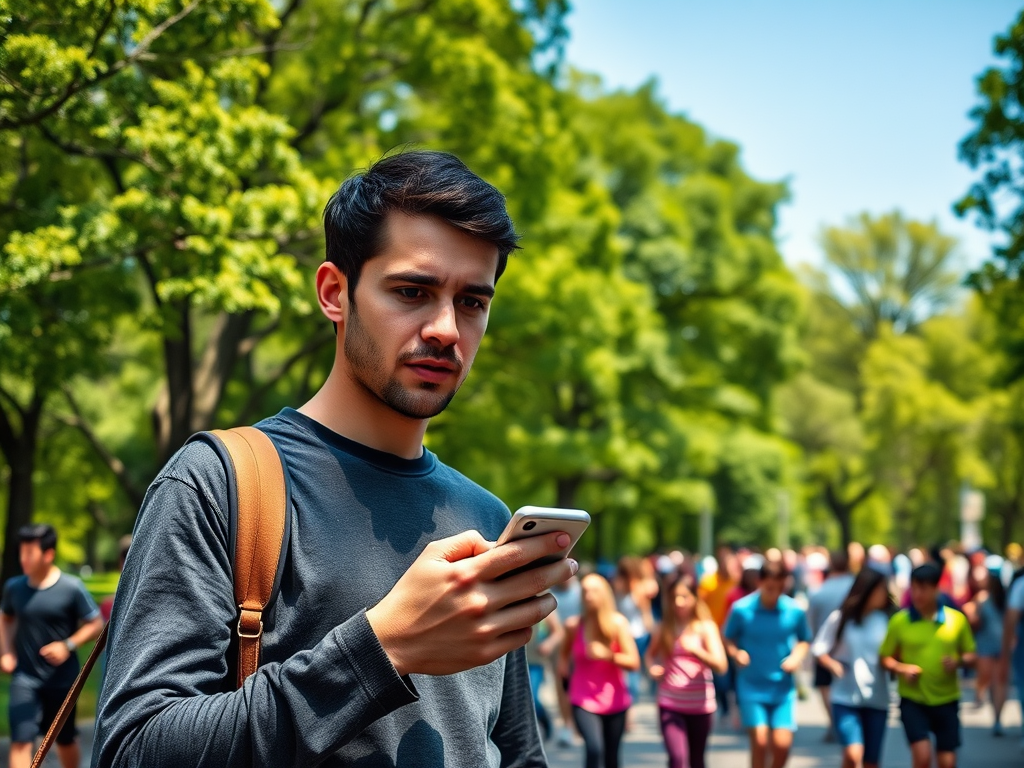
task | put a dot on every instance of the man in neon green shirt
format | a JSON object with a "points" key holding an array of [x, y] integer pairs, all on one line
{"points": [[924, 646]]}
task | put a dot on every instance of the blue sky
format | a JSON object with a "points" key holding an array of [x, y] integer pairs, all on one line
{"points": [[859, 105]]}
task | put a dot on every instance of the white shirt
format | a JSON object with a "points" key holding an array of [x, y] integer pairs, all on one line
{"points": [[863, 683]]}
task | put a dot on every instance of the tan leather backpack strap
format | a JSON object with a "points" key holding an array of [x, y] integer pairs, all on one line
{"points": [[259, 534], [69, 701]]}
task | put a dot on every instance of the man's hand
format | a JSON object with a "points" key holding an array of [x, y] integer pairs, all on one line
{"points": [[835, 667], [448, 613], [909, 672], [55, 653], [790, 664], [742, 658], [950, 663], [8, 663]]}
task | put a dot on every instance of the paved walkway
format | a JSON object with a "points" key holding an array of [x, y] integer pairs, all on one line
{"points": [[728, 748]]}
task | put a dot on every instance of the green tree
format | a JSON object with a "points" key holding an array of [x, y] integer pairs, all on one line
{"points": [[995, 148]]}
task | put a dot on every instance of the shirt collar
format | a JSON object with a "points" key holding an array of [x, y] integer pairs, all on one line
{"points": [[940, 614]]}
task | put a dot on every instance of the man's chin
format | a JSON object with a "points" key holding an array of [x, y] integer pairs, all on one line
{"points": [[416, 404]]}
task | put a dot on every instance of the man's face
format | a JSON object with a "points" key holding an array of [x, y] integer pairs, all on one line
{"points": [[924, 596], [419, 312], [34, 561], [772, 587]]}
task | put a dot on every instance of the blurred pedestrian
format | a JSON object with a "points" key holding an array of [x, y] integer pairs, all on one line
{"points": [[768, 637], [985, 612], [924, 646], [1013, 644], [847, 645], [47, 615], [635, 591], [568, 595], [684, 652], [821, 604], [600, 647], [546, 640]]}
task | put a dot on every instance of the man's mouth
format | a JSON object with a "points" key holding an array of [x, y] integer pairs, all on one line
{"points": [[434, 371]]}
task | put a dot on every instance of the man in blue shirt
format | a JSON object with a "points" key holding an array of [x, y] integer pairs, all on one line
{"points": [[768, 637]]}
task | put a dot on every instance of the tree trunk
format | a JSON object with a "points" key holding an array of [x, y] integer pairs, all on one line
{"points": [[20, 453], [172, 416]]}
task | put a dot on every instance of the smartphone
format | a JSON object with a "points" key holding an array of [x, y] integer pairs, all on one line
{"points": [[536, 521]]}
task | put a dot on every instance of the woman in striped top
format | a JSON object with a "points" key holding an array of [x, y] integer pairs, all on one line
{"points": [[684, 652]]}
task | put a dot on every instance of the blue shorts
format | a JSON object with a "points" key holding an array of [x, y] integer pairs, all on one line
{"points": [[861, 725], [32, 708], [776, 716]]}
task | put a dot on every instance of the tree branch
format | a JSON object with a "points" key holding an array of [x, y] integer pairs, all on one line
{"points": [[74, 88], [256, 396], [114, 464]]}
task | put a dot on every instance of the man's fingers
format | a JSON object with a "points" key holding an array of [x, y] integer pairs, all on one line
{"points": [[532, 582], [461, 546], [516, 553], [523, 615]]}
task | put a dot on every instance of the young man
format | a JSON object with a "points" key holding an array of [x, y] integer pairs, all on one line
{"points": [[924, 646], [47, 615], [393, 641], [767, 636]]}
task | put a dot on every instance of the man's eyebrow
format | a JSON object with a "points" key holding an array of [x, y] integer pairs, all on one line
{"points": [[433, 281]]}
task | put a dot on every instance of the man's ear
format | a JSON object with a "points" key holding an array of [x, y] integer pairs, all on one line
{"points": [[332, 293]]}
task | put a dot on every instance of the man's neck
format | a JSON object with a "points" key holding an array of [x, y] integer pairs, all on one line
{"points": [[45, 579], [766, 603], [929, 613], [347, 408]]}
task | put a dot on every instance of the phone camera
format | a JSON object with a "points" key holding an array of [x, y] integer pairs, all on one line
{"points": [[529, 525]]}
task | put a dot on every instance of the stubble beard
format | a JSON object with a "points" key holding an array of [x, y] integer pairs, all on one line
{"points": [[366, 361]]}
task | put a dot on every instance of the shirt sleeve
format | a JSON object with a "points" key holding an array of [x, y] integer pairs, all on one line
{"points": [[7, 602], [516, 733], [733, 625], [966, 642], [1015, 600], [168, 699], [892, 636], [85, 606], [826, 637], [803, 631]]}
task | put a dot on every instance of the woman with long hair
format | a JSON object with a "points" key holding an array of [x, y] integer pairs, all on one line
{"points": [[684, 652], [985, 613], [847, 645], [600, 647]]}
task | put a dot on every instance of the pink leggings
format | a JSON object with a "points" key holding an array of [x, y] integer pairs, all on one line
{"points": [[686, 736]]}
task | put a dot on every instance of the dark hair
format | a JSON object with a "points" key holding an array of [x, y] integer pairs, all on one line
{"points": [[927, 573], [41, 532], [838, 561], [774, 569], [418, 182], [856, 601], [996, 590]]}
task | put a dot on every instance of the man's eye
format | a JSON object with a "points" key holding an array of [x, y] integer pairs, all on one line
{"points": [[473, 303], [409, 293]]}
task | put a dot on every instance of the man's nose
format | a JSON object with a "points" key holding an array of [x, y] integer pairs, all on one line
{"points": [[442, 329]]}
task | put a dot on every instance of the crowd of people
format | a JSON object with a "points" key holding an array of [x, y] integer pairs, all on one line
{"points": [[727, 636]]}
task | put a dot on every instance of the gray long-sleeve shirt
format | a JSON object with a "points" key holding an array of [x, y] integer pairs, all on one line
{"points": [[326, 693]]}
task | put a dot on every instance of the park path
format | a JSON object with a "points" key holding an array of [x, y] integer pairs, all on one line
{"points": [[728, 749]]}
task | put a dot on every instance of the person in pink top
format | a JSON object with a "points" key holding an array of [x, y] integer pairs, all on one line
{"points": [[599, 647], [684, 652]]}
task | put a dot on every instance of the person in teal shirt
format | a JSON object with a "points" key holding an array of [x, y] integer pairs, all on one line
{"points": [[767, 635], [925, 645]]}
